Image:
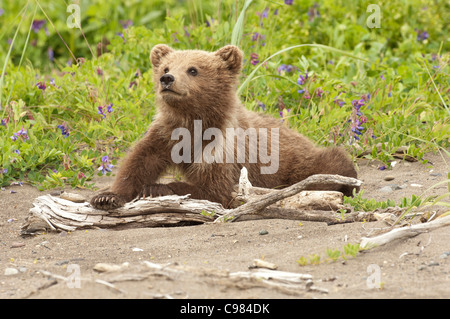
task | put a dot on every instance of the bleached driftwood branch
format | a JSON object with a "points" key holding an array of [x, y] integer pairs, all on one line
{"points": [[54, 213], [254, 207], [404, 232]]}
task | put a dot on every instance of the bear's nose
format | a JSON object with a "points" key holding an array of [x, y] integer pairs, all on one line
{"points": [[167, 79]]}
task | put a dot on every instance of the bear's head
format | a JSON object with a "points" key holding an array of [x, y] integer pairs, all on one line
{"points": [[195, 81]]}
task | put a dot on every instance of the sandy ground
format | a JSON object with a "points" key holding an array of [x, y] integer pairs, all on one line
{"points": [[29, 267]]}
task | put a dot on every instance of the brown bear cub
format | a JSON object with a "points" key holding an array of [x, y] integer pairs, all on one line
{"points": [[197, 100]]}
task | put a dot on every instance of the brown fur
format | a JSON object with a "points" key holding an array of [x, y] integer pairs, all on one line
{"points": [[211, 96]]}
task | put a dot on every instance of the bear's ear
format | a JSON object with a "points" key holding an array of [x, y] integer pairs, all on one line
{"points": [[232, 56], [158, 52]]}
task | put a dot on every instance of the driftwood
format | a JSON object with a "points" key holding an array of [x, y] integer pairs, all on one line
{"points": [[55, 213], [404, 232], [112, 275]]}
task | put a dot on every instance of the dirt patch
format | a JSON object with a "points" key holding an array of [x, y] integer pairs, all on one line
{"points": [[418, 267]]}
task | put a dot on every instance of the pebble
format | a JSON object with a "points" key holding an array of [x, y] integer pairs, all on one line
{"points": [[11, 271], [386, 189], [263, 232], [17, 244], [389, 178], [445, 255]]}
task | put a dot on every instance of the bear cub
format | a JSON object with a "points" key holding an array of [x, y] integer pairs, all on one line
{"points": [[196, 98]]}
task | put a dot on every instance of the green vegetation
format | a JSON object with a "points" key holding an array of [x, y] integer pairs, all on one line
{"points": [[73, 100]]}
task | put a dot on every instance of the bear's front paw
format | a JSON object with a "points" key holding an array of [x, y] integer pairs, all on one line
{"points": [[107, 201]]}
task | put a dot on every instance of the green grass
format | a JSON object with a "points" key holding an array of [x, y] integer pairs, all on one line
{"points": [[400, 82]]}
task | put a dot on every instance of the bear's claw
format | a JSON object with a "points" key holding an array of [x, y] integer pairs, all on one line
{"points": [[107, 201]]}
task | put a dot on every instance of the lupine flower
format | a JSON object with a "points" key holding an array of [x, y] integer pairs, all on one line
{"points": [[313, 12], [288, 2], [37, 25], [382, 77], [108, 108], [258, 36], [64, 130], [126, 23], [132, 84], [283, 113], [302, 79], [41, 85], [307, 95], [209, 23], [254, 58], [22, 133], [3, 122], [262, 16], [186, 33], [422, 35], [262, 105], [105, 166], [4, 170], [100, 111], [286, 68], [17, 152], [338, 101], [319, 92], [51, 54], [382, 168]]}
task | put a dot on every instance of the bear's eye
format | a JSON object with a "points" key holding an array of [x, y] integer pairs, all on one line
{"points": [[166, 70], [192, 71]]}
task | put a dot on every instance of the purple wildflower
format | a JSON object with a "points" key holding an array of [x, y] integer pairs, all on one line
{"points": [[422, 35], [302, 79], [51, 54], [258, 36], [1, 12], [64, 129], [41, 85], [262, 105], [132, 84], [209, 23], [4, 171], [286, 68], [37, 25], [382, 77], [254, 58], [17, 152], [100, 111], [126, 23], [288, 2], [186, 33], [307, 95], [319, 92], [3, 122], [105, 166], [382, 168], [22, 133], [263, 15], [109, 108]]}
